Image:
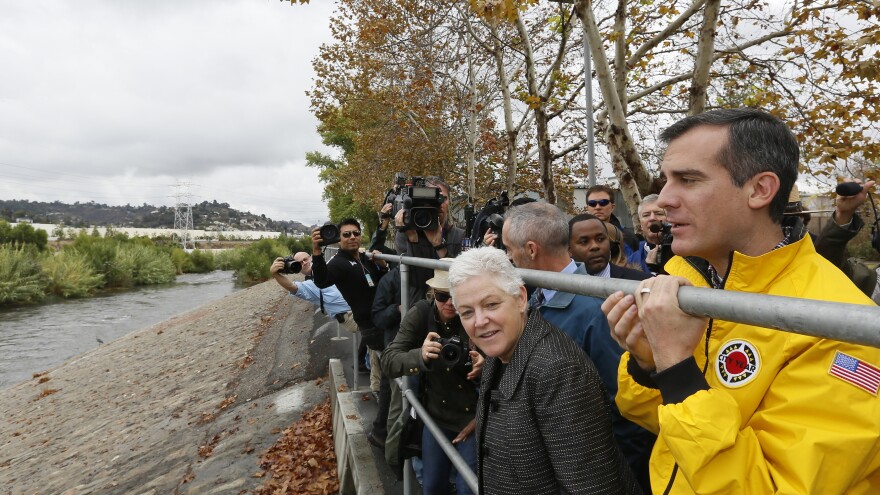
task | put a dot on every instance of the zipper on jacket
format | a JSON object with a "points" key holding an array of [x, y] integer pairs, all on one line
{"points": [[705, 367]]}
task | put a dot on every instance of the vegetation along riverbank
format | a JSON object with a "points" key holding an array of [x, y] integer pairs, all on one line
{"points": [[33, 270]]}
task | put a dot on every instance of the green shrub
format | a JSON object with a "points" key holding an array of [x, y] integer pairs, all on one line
{"points": [[181, 261], [70, 274], [137, 264], [21, 279], [23, 234], [228, 259], [251, 264], [201, 261]]}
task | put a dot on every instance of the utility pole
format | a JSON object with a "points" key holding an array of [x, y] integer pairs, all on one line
{"points": [[183, 218]]}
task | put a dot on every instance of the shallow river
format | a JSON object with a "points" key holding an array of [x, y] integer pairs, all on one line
{"points": [[35, 338]]}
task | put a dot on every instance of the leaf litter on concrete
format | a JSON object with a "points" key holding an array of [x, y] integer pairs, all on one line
{"points": [[303, 460]]}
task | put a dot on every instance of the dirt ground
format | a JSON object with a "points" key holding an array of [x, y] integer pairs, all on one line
{"points": [[186, 406]]}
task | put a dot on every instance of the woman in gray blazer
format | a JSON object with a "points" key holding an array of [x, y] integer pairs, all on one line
{"points": [[543, 423]]}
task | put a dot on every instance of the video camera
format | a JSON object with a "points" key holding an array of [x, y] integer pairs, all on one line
{"points": [[490, 216], [664, 245], [419, 201]]}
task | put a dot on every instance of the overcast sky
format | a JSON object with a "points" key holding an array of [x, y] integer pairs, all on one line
{"points": [[117, 101]]}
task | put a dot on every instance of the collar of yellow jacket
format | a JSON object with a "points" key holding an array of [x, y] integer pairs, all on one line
{"points": [[748, 273]]}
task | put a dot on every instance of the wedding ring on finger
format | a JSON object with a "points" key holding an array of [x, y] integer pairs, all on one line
{"points": [[645, 290]]}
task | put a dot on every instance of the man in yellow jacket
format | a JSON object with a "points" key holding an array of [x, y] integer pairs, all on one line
{"points": [[739, 408]]}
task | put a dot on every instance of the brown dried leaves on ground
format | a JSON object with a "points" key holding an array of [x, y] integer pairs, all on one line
{"points": [[303, 459]]}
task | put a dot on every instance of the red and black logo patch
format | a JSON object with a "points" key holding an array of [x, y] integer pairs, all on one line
{"points": [[738, 363]]}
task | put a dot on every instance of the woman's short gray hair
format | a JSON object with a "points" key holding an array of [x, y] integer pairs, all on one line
{"points": [[483, 262]]}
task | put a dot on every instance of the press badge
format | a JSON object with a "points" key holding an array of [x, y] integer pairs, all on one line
{"points": [[369, 280]]}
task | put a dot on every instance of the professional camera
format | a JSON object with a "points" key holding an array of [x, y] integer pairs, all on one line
{"points": [[392, 195], [491, 216], [291, 266], [453, 353], [329, 234], [664, 251], [420, 202]]}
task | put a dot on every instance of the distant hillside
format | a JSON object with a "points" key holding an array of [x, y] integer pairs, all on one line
{"points": [[206, 216]]}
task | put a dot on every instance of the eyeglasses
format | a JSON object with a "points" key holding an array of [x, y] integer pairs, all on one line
{"points": [[356, 233], [442, 199], [600, 202], [442, 296]]}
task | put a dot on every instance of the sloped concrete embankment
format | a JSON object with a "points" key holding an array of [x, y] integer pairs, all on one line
{"points": [[185, 406]]}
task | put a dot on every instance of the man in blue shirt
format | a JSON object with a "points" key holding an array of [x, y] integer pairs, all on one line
{"points": [[537, 237], [334, 303]]}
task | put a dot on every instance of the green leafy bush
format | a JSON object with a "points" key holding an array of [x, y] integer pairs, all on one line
{"points": [[137, 264], [70, 274], [21, 279], [201, 261]]}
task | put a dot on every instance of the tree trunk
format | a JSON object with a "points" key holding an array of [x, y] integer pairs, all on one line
{"points": [[539, 109], [703, 63], [625, 160]]}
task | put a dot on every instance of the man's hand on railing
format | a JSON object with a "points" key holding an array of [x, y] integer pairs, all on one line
{"points": [[466, 432]]}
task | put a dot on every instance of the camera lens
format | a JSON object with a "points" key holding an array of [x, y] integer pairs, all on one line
{"points": [[450, 353], [424, 218]]}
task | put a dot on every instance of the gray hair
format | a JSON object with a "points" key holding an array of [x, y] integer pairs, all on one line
{"points": [[542, 223], [488, 262], [651, 198]]}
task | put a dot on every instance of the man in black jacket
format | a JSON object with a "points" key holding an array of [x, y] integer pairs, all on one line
{"points": [[442, 242], [354, 274]]}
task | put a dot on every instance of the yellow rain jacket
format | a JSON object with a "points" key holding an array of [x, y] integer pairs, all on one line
{"points": [[774, 419]]}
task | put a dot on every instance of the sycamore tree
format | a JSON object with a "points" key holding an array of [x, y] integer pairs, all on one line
{"points": [[486, 92], [812, 63]]}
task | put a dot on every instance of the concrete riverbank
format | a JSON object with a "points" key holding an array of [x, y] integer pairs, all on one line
{"points": [[186, 406]]}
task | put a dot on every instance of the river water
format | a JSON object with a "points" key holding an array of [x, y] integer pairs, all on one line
{"points": [[35, 338]]}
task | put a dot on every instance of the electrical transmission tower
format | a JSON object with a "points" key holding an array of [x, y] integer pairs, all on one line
{"points": [[183, 217]]}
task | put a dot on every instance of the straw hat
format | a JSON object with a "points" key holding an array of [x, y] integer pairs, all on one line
{"points": [[440, 280]]}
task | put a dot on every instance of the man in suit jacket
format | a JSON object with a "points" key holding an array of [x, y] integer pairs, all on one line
{"points": [[589, 244], [537, 237]]}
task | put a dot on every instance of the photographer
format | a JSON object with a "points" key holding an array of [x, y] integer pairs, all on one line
{"points": [[441, 242], [649, 215], [328, 299], [449, 394], [844, 225], [355, 274]]}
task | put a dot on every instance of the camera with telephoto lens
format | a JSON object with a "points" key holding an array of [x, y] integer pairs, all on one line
{"points": [[329, 234], [453, 353], [664, 246], [419, 201], [291, 266]]}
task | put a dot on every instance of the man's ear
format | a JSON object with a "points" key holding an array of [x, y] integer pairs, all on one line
{"points": [[762, 188], [532, 249]]}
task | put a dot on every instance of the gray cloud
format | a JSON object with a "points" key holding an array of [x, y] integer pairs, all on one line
{"points": [[144, 93]]}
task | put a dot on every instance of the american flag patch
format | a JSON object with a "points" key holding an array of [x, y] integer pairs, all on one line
{"points": [[856, 372]]}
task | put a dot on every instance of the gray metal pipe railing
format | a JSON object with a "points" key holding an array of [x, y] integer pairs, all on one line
{"points": [[457, 460], [853, 323]]}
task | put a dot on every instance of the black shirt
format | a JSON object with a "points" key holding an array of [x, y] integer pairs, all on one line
{"points": [[349, 274]]}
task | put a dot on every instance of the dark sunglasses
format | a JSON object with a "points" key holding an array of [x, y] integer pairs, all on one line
{"points": [[356, 233], [601, 202], [442, 296]]}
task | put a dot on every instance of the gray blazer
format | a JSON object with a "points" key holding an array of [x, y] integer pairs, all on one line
{"points": [[546, 428]]}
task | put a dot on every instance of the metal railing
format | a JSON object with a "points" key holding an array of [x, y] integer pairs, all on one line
{"points": [[803, 316], [853, 323]]}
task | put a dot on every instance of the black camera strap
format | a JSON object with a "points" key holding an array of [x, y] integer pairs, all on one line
{"points": [[321, 297]]}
